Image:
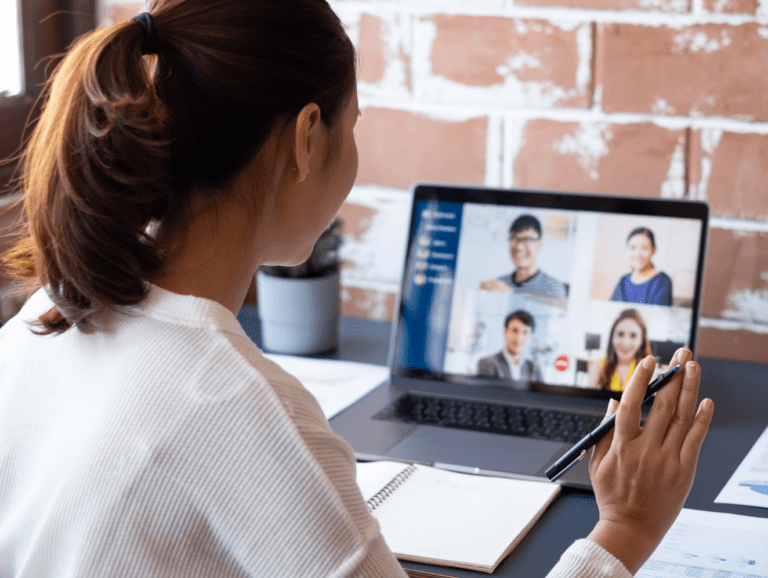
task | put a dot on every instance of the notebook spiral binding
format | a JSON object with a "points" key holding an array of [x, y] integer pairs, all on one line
{"points": [[377, 499]]}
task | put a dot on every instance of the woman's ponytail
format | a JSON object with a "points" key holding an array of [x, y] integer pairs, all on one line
{"points": [[95, 174], [126, 139]]}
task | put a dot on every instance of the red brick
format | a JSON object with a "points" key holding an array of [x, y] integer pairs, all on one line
{"points": [[703, 70], [375, 231], [368, 304], [730, 172], [736, 279], [732, 6], [485, 51], [357, 219], [625, 159], [377, 54], [741, 344], [371, 49], [656, 5], [398, 148]]}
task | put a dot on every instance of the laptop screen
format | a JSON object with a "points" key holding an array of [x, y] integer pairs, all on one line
{"points": [[553, 291]]}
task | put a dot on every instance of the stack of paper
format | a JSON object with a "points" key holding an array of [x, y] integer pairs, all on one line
{"points": [[335, 384]]}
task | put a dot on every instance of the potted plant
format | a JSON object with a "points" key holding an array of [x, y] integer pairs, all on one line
{"points": [[299, 306]]}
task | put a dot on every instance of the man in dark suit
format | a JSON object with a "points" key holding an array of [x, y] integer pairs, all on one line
{"points": [[509, 363]]}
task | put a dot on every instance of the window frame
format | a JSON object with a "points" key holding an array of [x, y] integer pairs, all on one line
{"points": [[48, 27]]}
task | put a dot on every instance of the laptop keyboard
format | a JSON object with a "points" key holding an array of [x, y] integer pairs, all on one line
{"points": [[490, 417]]}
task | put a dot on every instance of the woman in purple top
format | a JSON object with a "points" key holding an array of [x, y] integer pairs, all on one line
{"points": [[645, 284]]}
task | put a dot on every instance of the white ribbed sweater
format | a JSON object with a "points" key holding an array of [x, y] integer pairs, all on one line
{"points": [[167, 445]]}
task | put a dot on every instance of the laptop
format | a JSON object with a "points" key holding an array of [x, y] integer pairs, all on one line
{"points": [[520, 314]]}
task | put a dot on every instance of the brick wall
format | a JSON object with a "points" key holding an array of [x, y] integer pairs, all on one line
{"points": [[664, 98]]}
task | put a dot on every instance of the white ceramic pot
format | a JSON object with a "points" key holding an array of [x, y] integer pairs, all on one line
{"points": [[298, 316]]}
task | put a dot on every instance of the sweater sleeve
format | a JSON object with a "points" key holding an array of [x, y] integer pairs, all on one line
{"points": [[586, 559], [336, 460]]}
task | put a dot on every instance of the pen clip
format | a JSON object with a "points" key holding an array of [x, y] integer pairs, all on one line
{"points": [[568, 467]]}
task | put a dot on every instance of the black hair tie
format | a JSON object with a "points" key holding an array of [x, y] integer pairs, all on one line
{"points": [[149, 46]]}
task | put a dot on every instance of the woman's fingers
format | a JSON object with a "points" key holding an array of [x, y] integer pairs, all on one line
{"points": [[680, 422], [628, 417], [689, 453], [673, 398]]}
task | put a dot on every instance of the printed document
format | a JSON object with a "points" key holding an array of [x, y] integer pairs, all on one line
{"points": [[335, 384], [748, 485], [710, 544]]}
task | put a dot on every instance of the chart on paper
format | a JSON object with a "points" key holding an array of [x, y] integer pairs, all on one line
{"points": [[711, 545], [748, 485]]}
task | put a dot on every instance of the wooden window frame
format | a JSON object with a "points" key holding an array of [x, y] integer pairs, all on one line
{"points": [[48, 28]]}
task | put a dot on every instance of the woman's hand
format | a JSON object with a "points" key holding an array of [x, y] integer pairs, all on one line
{"points": [[642, 475]]}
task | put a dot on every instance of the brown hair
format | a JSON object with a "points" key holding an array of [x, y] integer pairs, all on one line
{"points": [[124, 139], [642, 231], [611, 358], [523, 317]]}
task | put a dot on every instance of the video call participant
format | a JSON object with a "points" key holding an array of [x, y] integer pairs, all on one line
{"points": [[527, 279], [159, 438], [627, 346], [645, 284], [510, 362]]}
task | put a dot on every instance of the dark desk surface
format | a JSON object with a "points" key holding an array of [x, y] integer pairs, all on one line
{"points": [[740, 393]]}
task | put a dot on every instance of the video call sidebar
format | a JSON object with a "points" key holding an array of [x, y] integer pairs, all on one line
{"points": [[428, 290]]}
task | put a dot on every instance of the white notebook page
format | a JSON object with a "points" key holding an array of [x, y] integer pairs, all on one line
{"points": [[373, 476], [461, 518]]}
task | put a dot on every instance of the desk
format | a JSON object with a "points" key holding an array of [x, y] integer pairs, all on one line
{"points": [[738, 422]]}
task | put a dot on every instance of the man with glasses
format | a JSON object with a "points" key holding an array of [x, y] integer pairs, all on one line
{"points": [[527, 279]]}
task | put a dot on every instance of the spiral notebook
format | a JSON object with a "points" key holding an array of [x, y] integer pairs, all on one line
{"points": [[446, 518]]}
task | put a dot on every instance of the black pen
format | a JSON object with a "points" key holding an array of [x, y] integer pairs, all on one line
{"points": [[572, 456]]}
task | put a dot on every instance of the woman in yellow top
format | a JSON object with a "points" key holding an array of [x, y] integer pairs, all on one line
{"points": [[627, 346]]}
